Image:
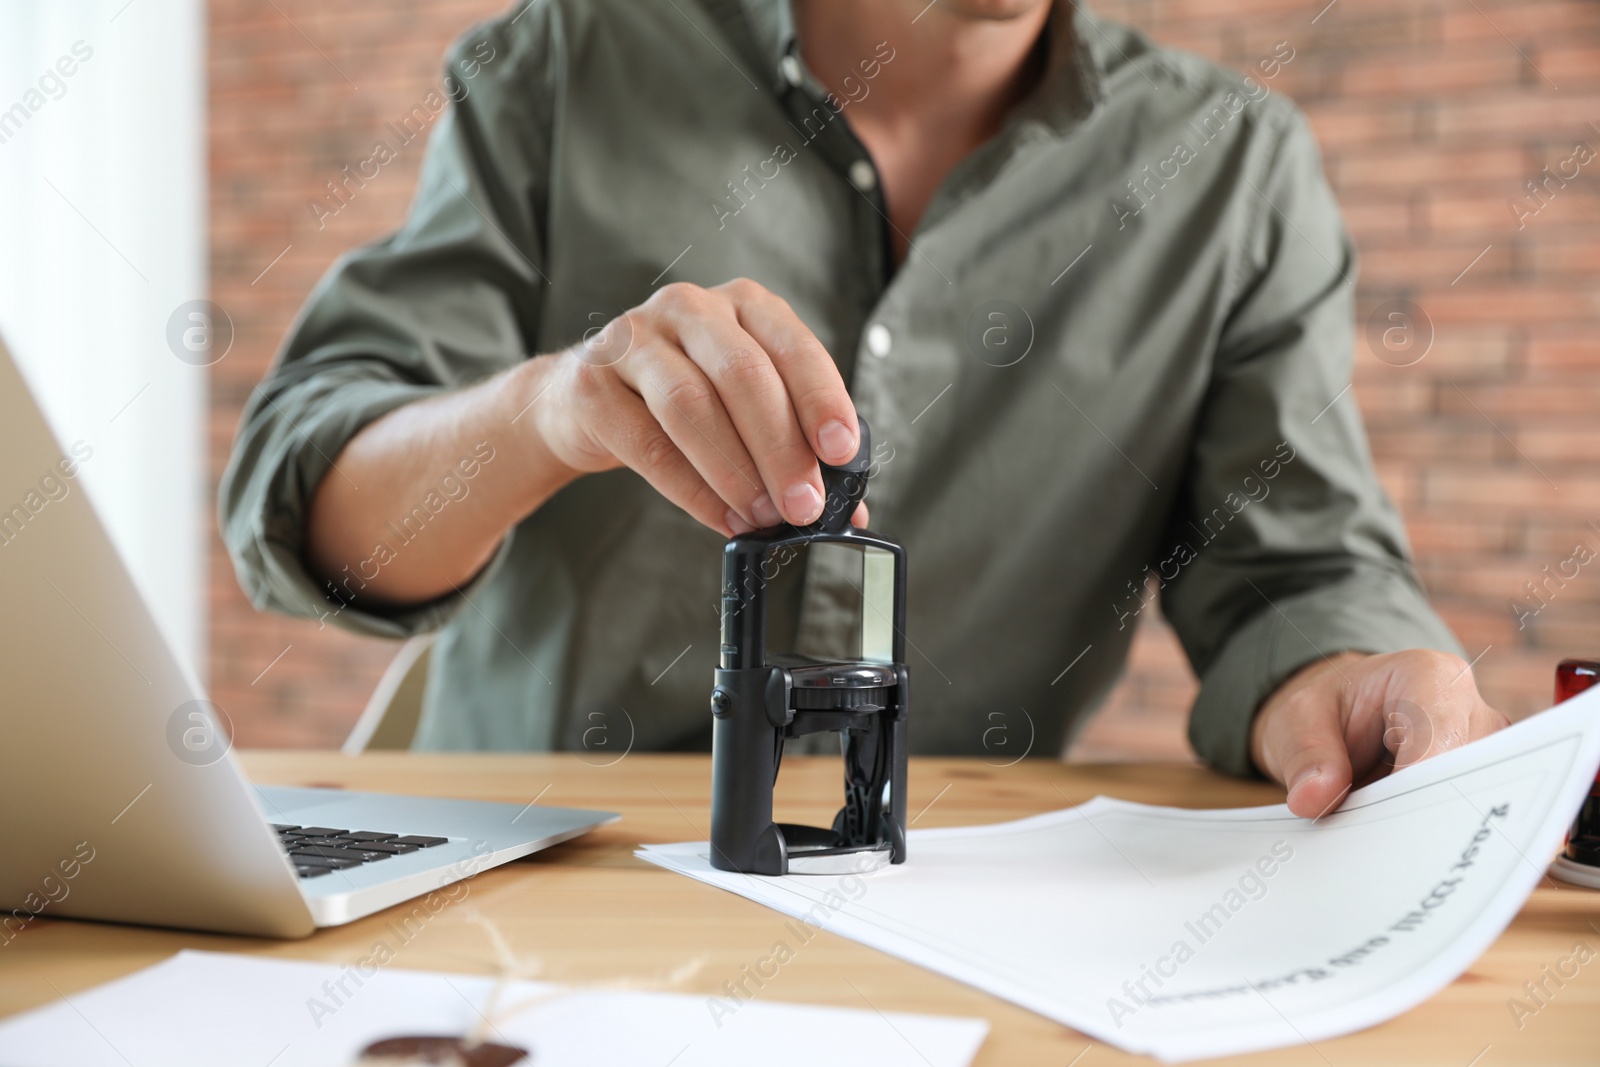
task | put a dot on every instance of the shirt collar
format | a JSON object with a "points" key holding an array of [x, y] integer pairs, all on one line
{"points": [[1072, 87]]}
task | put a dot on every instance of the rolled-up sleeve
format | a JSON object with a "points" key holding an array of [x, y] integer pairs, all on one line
{"points": [[1289, 548], [449, 299]]}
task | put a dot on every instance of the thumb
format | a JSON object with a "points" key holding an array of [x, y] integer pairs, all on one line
{"points": [[1313, 761]]}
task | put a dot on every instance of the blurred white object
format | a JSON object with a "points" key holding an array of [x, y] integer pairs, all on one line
{"points": [[103, 217]]}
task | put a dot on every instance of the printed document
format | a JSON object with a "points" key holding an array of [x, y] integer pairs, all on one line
{"points": [[1189, 934]]}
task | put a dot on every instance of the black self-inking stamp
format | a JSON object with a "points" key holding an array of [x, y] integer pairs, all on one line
{"points": [[761, 699]]}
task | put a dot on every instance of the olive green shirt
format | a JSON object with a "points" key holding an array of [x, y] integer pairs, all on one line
{"points": [[1114, 365]]}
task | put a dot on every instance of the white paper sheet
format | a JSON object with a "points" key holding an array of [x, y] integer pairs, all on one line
{"points": [[201, 1009], [1188, 934]]}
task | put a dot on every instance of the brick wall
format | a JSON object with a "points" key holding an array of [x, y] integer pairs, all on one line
{"points": [[1481, 399]]}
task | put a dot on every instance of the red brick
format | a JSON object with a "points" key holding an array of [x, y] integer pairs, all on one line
{"points": [[1570, 66], [1555, 443], [1456, 352], [1394, 265], [1405, 395], [1501, 581], [1522, 303], [1348, 30], [1471, 535], [1340, 124], [1477, 626], [1537, 110], [1507, 402], [1373, 220], [1513, 487], [1549, 539], [1523, 22], [1563, 255], [1459, 351], [1179, 10], [1566, 629], [1456, 69], [1485, 214], [1414, 441], [1401, 480], [1406, 167]]}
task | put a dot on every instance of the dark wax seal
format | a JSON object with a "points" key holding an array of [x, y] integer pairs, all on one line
{"points": [[440, 1052]]}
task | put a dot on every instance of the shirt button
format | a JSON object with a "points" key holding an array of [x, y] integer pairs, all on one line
{"points": [[789, 66], [862, 176], [879, 339]]}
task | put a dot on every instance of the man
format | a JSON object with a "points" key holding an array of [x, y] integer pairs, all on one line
{"points": [[1093, 297]]}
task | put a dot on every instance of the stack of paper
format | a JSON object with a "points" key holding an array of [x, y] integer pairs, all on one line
{"points": [[1188, 934], [200, 1009]]}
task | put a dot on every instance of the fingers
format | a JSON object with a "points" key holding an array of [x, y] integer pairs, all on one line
{"points": [[689, 409], [749, 386], [1303, 746], [631, 432], [733, 399], [1484, 721], [1450, 682], [1365, 715], [1429, 702], [821, 402]]}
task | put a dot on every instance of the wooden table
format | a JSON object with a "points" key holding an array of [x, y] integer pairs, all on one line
{"points": [[589, 911]]}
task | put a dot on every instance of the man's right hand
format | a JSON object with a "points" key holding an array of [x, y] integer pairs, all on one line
{"points": [[720, 398]]}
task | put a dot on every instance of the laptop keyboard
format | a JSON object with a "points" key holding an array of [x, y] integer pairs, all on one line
{"points": [[320, 850]]}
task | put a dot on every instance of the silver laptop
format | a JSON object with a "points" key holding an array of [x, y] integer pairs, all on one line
{"points": [[119, 797]]}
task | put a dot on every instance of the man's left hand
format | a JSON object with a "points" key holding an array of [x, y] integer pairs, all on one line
{"points": [[1354, 717]]}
